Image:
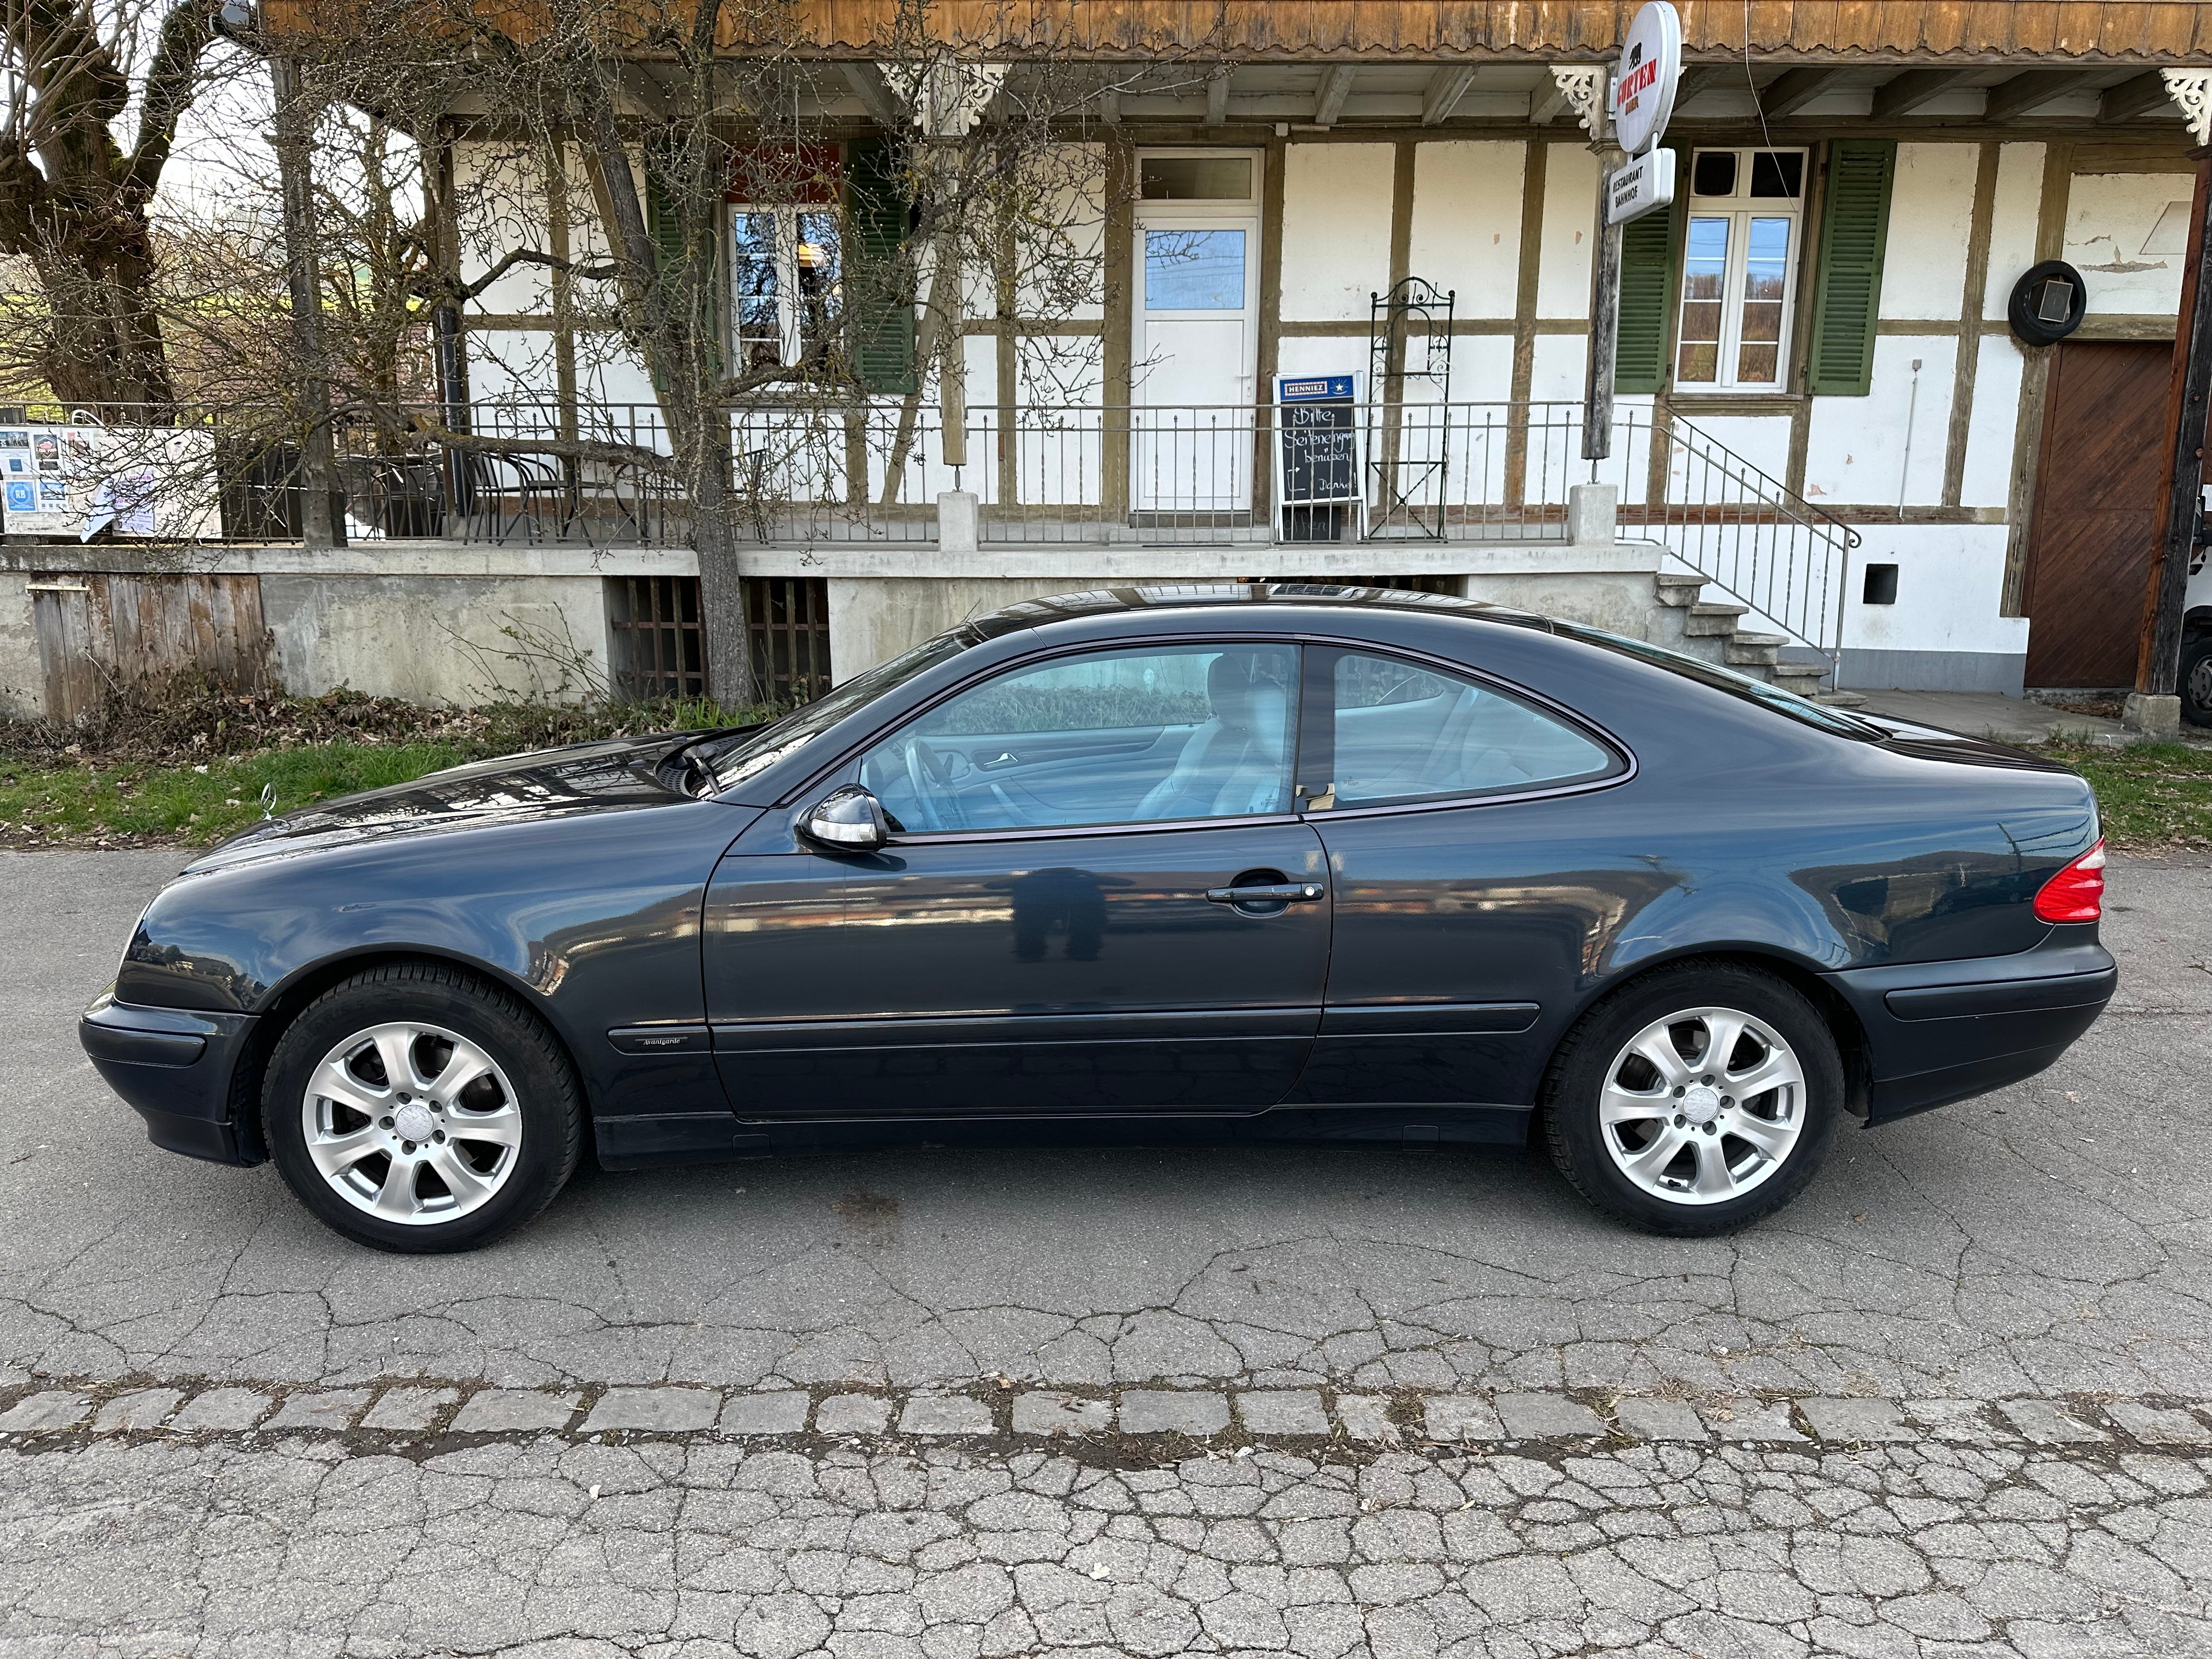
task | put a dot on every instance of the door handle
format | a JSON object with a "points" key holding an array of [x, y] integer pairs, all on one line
{"points": [[1290, 893]]}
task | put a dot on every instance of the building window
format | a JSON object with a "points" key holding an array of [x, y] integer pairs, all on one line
{"points": [[785, 278], [789, 620], [1739, 269], [659, 649]]}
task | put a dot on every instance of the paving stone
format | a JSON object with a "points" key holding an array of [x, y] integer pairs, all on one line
{"points": [[2157, 1427], [223, 1408], [1957, 1422], [945, 1413], [655, 1410], [1042, 1412], [507, 1411], [1547, 1416], [781, 1412], [1461, 1417], [2047, 1424], [1282, 1411], [1862, 1421], [853, 1414], [1752, 1422], [1367, 1416], [1658, 1420], [55, 1409], [327, 1410], [409, 1408], [142, 1408], [1160, 1410]]}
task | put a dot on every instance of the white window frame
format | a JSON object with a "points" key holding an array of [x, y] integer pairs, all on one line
{"points": [[1740, 210], [790, 341]]}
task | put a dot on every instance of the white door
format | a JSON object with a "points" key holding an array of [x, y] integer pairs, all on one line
{"points": [[1196, 353]]}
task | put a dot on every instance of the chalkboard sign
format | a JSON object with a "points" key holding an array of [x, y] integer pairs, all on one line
{"points": [[1318, 420]]}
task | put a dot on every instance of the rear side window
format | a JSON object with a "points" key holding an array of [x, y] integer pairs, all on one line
{"points": [[1787, 704], [1396, 731]]}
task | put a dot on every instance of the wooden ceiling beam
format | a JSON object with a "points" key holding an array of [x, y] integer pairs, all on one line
{"points": [[1728, 73], [1910, 90], [2146, 94], [867, 82], [1446, 87], [1796, 89], [1217, 98], [1335, 87], [2024, 95]]}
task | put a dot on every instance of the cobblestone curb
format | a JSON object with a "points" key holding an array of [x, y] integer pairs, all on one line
{"points": [[415, 1409]]}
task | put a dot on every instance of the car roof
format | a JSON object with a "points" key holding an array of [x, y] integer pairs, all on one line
{"points": [[1163, 596]]}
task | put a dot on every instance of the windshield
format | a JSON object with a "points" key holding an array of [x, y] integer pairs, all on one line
{"points": [[1797, 708], [747, 754]]}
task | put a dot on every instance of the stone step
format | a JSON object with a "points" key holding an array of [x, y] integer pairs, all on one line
{"points": [[1739, 655], [1802, 677], [1679, 591], [1714, 618], [1841, 699]]}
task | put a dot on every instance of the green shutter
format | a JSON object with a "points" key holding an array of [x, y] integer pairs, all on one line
{"points": [[1647, 293], [880, 309], [1847, 299]]}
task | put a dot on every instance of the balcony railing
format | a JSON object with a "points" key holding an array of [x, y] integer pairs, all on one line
{"points": [[1403, 476]]}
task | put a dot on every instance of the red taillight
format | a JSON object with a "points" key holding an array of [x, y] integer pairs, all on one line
{"points": [[2077, 892]]}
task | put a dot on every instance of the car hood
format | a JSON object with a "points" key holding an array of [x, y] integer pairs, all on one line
{"points": [[612, 775]]}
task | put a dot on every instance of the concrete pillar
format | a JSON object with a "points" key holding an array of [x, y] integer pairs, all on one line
{"points": [[1593, 514], [957, 514]]}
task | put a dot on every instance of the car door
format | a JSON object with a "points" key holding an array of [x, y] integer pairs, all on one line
{"points": [[1096, 899], [1470, 871]]}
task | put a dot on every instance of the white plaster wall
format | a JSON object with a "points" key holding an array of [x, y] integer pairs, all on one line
{"points": [[431, 639], [1855, 452], [1556, 366], [1336, 229], [1482, 368], [1307, 354], [510, 364], [22, 681], [1991, 429], [500, 204], [1762, 439], [872, 619], [2110, 219], [1062, 276], [1950, 579], [1931, 215], [2014, 211], [1467, 222], [1562, 273]]}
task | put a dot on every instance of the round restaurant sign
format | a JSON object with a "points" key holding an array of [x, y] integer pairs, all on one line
{"points": [[1644, 84]]}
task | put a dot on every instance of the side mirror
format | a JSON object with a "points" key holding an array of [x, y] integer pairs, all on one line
{"points": [[848, 820]]}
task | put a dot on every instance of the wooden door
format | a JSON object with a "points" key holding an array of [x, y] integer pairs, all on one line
{"points": [[2096, 511]]}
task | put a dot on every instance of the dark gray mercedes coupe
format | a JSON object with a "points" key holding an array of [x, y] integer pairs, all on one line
{"points": [[1195, 864]]}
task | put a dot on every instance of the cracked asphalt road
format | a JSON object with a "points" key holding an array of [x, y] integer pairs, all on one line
{"points": [[2047, 1241]]}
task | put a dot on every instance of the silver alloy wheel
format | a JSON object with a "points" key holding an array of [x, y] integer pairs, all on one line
{"points": [[1702, 1106], [412, 1123]]}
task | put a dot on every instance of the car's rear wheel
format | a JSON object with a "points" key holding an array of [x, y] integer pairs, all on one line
{"points": [[2196, 681], [416, 1109], [1695, 1100]]}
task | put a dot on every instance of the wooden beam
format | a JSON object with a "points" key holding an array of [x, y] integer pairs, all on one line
{"points": [[2166, 595], [1446, 87], [1216, 97], [1727, 74], [1910, 90], [1109, 106], [1546, 102], [2146, 94], [867, 82], [1335, 87], [1793, 91], [2026, 94]]}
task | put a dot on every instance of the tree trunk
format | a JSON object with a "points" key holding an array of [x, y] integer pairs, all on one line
{"points": [[104, 348], [723, 633]]}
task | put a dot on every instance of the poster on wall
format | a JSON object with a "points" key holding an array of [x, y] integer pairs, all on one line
{"points": [[80, 482]]}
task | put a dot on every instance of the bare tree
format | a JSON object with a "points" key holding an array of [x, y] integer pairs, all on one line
{"points": [[75, 201]]}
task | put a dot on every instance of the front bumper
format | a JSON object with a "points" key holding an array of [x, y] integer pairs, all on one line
{"points": [[172, 1067], [1940, 1032]]}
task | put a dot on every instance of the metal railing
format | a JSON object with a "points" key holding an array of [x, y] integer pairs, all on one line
{"points": [[1727, 521]]}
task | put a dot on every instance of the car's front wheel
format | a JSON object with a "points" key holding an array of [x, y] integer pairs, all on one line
{"points": [[2196, 681], [1695, 1100], [416, 1109]]}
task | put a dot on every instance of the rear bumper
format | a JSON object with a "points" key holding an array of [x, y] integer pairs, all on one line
{"points": [[172, 1067], [1940, 1032]]}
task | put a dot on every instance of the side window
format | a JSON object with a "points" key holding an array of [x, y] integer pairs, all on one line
{"points": [[1404, 733], [1107, 737]]}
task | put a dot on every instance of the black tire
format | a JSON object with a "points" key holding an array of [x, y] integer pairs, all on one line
{"points": [[2196, 681], [1583, 1065], [543, 1085]]}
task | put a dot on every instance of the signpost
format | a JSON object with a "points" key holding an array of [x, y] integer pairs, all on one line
{"points": [[1641, 103]]}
